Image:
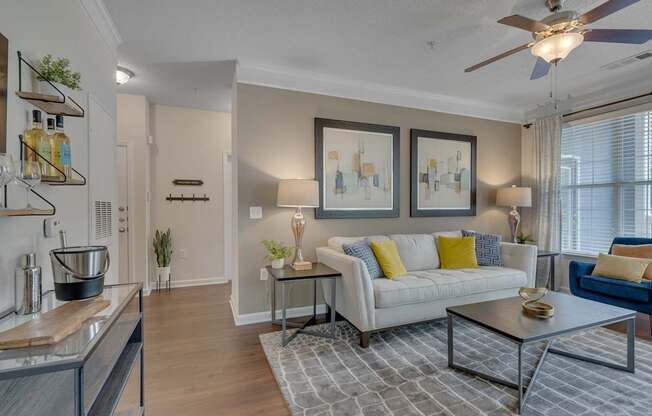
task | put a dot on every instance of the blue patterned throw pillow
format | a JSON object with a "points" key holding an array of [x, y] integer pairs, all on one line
{"points": [[487, 248], [363, 251]]}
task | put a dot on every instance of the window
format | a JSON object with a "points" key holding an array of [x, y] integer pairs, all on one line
{"points": [[606, 182]]}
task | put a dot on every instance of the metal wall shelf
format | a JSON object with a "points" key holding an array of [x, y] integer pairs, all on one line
{"points": [[56, 105]]}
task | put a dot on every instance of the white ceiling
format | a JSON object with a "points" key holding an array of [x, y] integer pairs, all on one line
{"points": [[373, 43], [201, 85]]}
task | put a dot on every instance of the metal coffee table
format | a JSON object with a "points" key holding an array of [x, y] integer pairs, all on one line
{"points": [[505, 317]]}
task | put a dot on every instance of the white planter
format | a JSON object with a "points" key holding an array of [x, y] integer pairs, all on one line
{"points": [[278, 263], [163, 274], [45, 88]]}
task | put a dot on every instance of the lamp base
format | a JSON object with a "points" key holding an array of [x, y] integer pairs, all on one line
{"points": [[301, 265]]}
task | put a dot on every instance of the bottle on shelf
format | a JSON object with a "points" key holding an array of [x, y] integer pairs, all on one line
{"points": [[45, 149], [33, 138], [61, 154]]}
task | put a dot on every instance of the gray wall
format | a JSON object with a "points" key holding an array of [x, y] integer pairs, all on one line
{"points": [[276, 141]]}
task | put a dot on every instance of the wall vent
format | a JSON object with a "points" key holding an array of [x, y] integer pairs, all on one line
{"points": [[103, 220], [628, 61]]}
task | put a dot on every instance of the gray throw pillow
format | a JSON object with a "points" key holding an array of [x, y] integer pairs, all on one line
{"points": [[363, 251], [487, 248]]}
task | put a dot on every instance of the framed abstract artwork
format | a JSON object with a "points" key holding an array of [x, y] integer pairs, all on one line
{"points": [[442, 174], [357, 166]]}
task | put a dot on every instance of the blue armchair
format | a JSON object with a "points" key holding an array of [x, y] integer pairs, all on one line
{"points": [[630, 295]]}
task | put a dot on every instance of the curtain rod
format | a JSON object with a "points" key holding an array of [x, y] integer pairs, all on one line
{"points": [[624, 100]]}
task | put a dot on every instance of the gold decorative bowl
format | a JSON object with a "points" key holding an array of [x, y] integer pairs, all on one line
{"points": [[532, 304]]}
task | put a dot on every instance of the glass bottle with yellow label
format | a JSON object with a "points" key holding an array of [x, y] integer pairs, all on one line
{"points": [[33, 138]]}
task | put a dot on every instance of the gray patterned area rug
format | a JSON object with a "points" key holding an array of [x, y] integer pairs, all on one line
{"points": [[405, 372]]}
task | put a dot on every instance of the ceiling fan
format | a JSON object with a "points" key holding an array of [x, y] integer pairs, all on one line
{"points": [[564, 30]]}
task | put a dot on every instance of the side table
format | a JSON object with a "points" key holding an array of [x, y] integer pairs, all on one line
{"points": [[550, 255], [288, 275]]}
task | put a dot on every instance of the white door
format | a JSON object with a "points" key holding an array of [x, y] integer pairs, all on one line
{"points": [[122, 166]]}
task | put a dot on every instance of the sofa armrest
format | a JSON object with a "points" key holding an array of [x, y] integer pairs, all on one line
{"points": [[577, 269], [355, 293], [521, 257]]}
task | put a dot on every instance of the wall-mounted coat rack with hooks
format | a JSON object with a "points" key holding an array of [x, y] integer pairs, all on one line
{"points": [[192, 198]]}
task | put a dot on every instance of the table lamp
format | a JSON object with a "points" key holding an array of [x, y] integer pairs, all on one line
{"points": [[299, 194], [514, 197]]}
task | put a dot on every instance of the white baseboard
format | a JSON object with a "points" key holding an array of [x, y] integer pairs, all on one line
{"points": [[260, 317], [193, 282]]}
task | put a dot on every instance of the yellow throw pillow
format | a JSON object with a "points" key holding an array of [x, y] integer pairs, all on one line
{"points": [[619, 267], [387, 255], [642, 251], [457, 252]]}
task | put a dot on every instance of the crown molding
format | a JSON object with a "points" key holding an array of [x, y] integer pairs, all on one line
{"points": [[629, 86], [99, 15], [323, 84]]}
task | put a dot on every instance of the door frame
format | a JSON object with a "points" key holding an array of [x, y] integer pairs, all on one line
{"points": [[227, 203], [130, 203]]}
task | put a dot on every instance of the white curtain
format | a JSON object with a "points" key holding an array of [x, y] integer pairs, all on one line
{"points": [[545, 215]]}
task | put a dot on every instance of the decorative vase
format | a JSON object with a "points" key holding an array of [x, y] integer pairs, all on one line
{"points": [[163, 274], [278, 263]]}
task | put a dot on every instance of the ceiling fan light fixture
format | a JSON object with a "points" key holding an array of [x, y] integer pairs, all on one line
{"points": [[557, 47]]}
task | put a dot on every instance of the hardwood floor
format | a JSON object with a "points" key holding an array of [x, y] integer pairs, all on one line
{"points": [[197, 362]]}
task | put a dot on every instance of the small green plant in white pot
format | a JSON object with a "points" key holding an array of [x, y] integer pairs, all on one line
{"points": [[163, 250], [276, 253], [57, 71]]}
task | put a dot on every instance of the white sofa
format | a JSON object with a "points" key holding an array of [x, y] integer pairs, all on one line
{"points": [[426, 290]]}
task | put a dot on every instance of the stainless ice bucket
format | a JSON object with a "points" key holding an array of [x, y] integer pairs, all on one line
{"points": [[79, 271]]}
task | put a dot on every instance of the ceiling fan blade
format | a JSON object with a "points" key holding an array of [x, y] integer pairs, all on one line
{"points": [[524, 23], [498, 57], [604, 10], [540, 70], [633, 36]]}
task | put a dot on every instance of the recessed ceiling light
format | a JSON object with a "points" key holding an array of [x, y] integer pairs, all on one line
{"points": [[122, 75]]}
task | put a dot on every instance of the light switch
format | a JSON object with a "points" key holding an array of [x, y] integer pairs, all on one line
{"points": [[255, 213]]}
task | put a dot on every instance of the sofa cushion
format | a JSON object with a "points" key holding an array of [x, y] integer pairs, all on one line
{"points": [[436, 284], [336, 242], [417, 251], [487, 247], [363, 251], [637, 292], [457, 252], [388, 258]]}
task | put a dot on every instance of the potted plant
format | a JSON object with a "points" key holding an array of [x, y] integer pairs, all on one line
{"points": [[57, 71], [523, 238], [276, 253], [163, 250]]}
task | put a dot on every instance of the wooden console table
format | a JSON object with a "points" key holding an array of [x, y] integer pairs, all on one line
{"points": [[98, 370]]}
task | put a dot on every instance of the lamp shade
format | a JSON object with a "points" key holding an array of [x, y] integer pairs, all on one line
{"points": [[293, 193], [514, 196]]}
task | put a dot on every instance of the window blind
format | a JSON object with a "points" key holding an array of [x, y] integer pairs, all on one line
{"points": [[606, 182]]}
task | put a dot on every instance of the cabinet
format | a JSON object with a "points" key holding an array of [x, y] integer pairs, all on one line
{"points": [[99, 370]]}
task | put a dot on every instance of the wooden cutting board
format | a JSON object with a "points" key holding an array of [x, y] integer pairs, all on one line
{"points": [[52, 326]]}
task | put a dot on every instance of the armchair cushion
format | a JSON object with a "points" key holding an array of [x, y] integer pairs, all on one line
{"points": [[635, 292]]}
